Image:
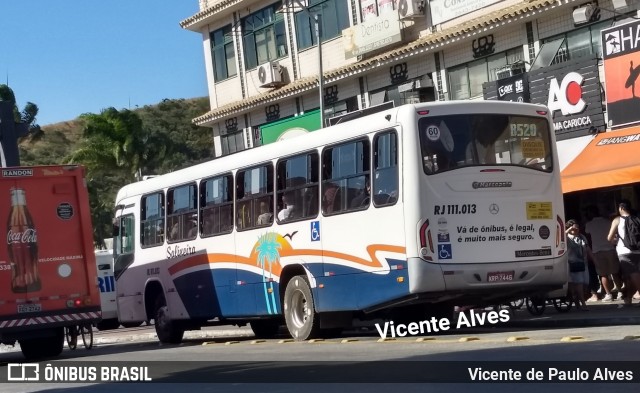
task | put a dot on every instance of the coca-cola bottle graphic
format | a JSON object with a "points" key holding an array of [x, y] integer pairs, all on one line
{"points": [[22, 245]]}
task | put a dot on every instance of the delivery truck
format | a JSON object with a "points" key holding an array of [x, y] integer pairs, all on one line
{"points": [[48, 277]]}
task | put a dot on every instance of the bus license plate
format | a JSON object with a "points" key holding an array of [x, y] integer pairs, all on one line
{"points": [[499, 276], [24, 308]]}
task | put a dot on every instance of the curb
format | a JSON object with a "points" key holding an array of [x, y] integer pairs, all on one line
{"points": [[194, 334], [582, 322]]}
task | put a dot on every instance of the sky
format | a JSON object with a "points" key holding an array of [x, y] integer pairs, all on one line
{"points": [[71, 57]]}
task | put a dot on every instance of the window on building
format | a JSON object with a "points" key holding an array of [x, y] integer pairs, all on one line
{"points": [[232, 142], [345, 176], [334, 17], [385, 169], [216, 206], [264, 36], [223, 52], [466, 80], [579, 42], [182, 213], [391, 93], [254, 197], [297, 187], [152, 220]]}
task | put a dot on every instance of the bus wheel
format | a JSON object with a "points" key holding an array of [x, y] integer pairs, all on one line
{"points": [[167, 330], [299, 311], [265, 328]]}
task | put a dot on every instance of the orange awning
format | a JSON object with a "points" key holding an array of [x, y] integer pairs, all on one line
{"points": [[611, 159]]}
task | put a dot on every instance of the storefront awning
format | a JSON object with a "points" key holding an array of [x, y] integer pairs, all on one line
{"points": [[611, 159], [569, 149]]}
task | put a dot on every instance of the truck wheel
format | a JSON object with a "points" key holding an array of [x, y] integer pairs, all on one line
{"points": [[299, 311], [43, 347], [167, 330], [108, 324], [265, 328]]}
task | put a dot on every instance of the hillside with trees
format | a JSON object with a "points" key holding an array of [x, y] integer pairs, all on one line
{"points": [[121, 146]]}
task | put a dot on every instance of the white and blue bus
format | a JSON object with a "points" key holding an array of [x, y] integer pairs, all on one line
{"points": [[403, 213]]}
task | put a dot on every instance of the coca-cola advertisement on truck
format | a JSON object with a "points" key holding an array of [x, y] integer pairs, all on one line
{"points": [[47, 262]]}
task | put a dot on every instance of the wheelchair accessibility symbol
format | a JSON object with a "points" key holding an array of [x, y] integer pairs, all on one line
{"points": [[315, 231], [444, 251]]}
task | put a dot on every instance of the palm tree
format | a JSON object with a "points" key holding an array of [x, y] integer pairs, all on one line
{"points": [[117, 140], [267, 250]]}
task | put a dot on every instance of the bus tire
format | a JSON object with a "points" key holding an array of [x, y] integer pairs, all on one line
{"points": [[299, 311], [167, 330], [265, 328]]}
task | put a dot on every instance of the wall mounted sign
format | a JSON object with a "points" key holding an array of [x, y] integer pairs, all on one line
{"points": [[399, 73], [445, 10], [272, 112], [572, 92], [514, 88], [371, 35], [621, 53], [231, 124], [483, 46], [331, 94]]}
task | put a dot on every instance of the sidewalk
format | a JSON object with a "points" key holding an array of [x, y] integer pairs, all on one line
{"points": [[600, 314]]}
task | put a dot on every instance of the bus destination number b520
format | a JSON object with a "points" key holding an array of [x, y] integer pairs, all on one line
{"points": [[518, 129], [468, 208]]}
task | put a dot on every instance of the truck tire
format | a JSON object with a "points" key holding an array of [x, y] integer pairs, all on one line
{"points": [[299, 310], [265, 328], [108, 324], [167, 330], [43, 347]]}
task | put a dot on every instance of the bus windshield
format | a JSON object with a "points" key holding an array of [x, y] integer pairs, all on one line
{"points": [[454, 141]]}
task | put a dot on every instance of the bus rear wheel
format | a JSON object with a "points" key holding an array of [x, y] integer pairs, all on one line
{"points": [[299, 311], [167, 330]]}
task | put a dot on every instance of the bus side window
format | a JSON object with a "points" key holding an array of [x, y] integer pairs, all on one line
{"points": [[385, 178]]}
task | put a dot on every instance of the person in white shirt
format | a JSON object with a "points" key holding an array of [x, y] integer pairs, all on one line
{"points": [[605, 257], [629, 260], [287, 200]]}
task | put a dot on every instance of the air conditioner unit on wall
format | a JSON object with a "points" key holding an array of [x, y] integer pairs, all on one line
{"points": [[270, 74], [411, 8], [511, 70]]}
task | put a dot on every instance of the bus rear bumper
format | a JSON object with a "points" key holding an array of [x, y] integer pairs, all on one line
{"points": [[484, 280]]}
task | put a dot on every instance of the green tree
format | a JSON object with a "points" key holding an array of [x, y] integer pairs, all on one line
{"points": [[117, 141], [26, 117]]}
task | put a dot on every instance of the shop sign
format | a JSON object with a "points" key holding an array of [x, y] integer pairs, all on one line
{"points": [[621, 54], [571, 90], [514, 88], [371, 35], [445, 10]]}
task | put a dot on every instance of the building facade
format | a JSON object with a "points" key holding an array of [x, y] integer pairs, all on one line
{"points": [[263, 65]]}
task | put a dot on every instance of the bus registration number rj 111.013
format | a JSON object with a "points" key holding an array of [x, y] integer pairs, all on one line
{"points": [[500, 276]]}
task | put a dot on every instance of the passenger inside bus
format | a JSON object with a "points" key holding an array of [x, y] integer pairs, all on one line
{"points": [[289, 205], [363, 197], [265, 216], [329, 198]]}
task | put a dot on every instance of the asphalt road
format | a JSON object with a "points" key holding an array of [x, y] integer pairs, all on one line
{"points": [[607, 336]]}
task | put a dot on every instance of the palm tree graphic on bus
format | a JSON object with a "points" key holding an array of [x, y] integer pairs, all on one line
{"points": [[267, 250]]}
